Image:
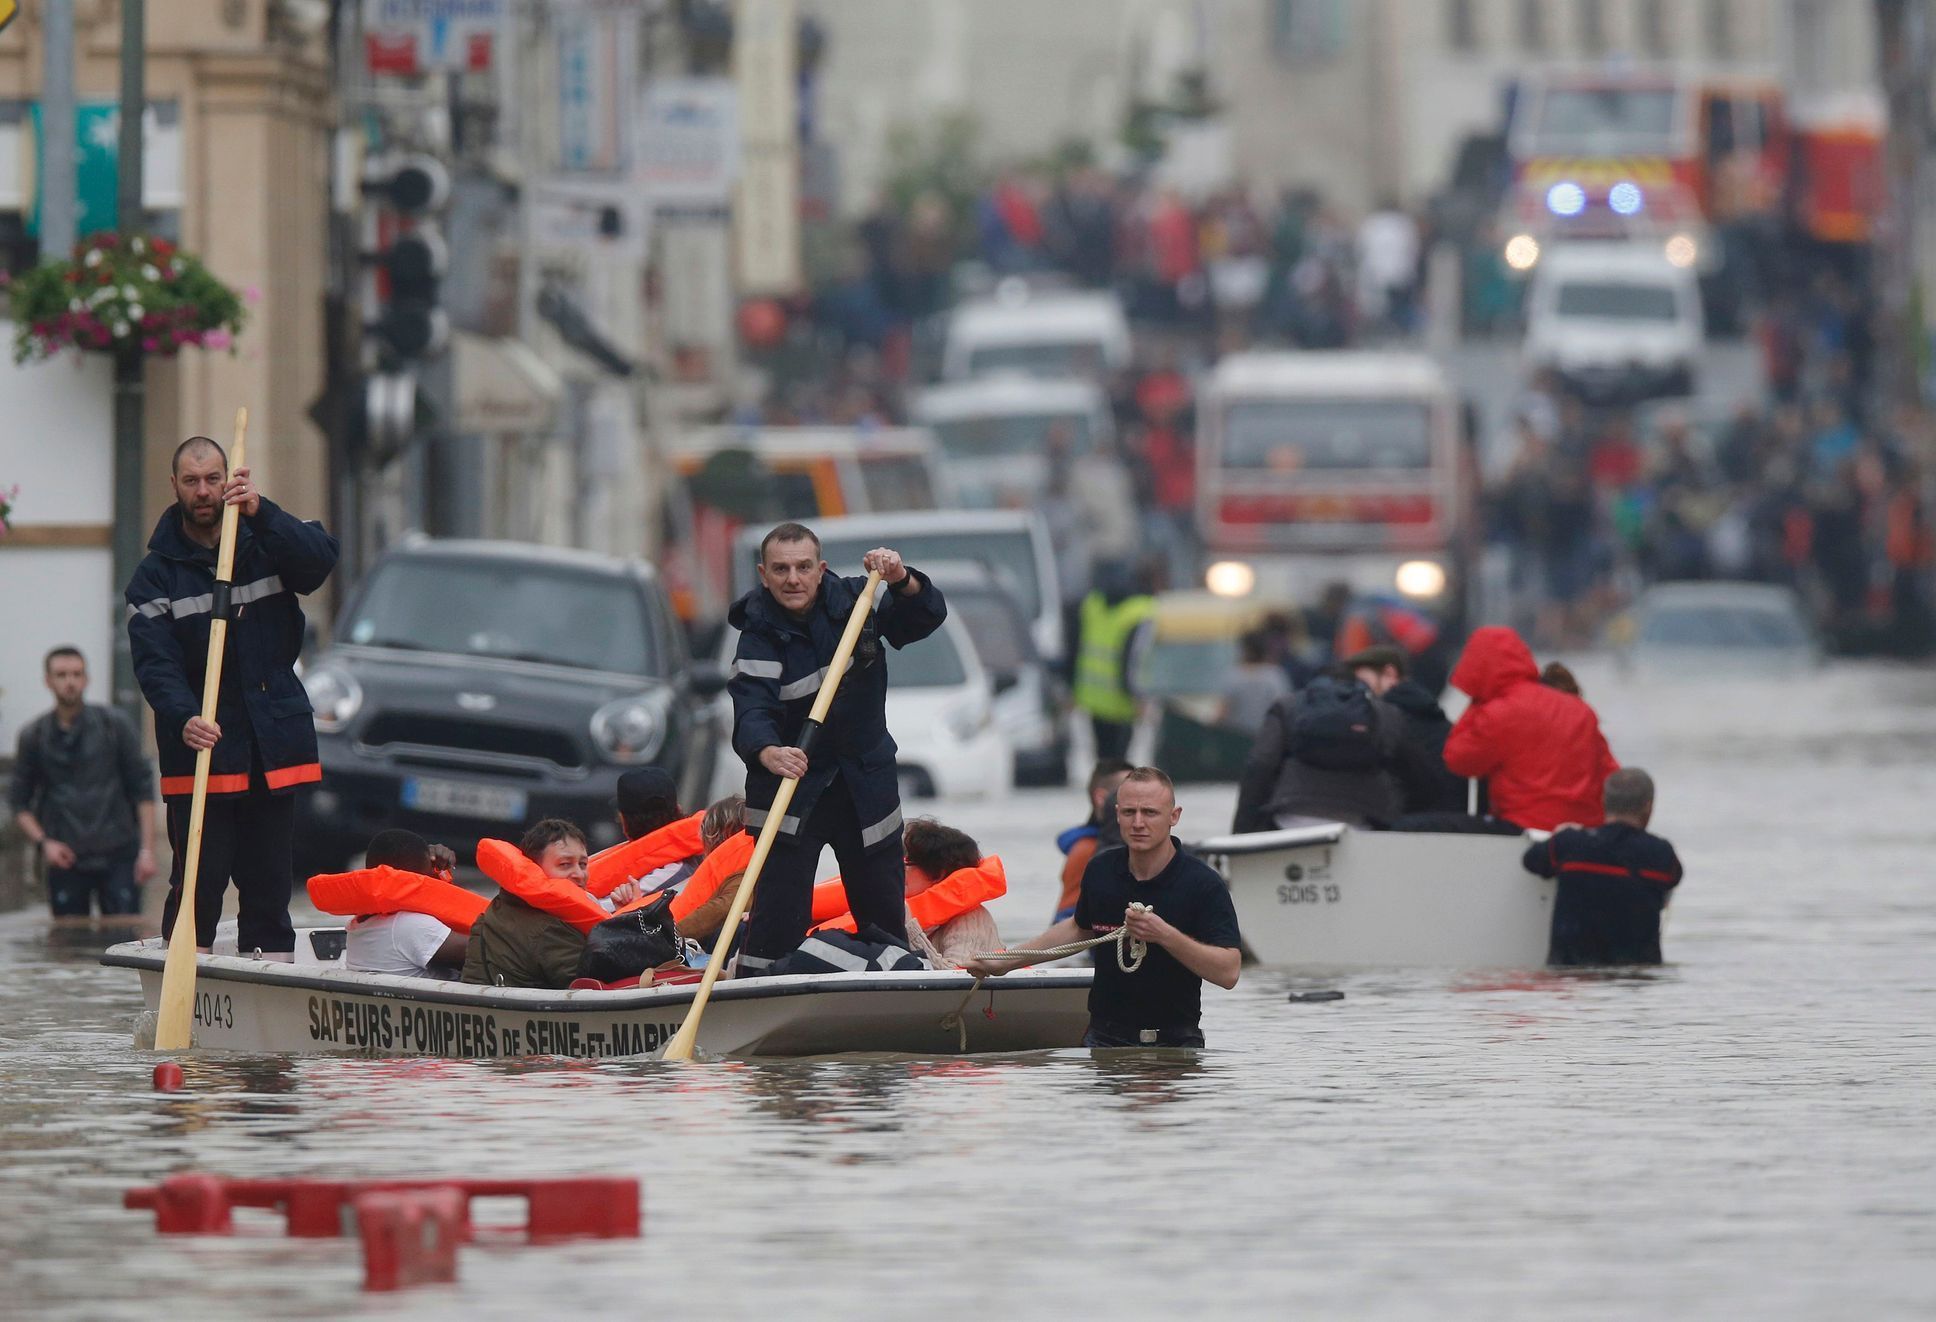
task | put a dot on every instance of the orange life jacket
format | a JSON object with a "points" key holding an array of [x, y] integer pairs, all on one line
{"points": [[385, 890], [505, 864], [672, 843], [951, 897], [728, 858]]}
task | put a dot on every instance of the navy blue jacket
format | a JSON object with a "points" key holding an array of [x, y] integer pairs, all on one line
{"points": [[777, 672], [262, 708], [1614, 880]]}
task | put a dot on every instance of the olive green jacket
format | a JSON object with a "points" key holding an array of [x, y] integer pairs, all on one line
{"points": [[515, 944]]}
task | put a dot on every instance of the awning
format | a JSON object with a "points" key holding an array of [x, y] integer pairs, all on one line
{"points": [[502, 386]]}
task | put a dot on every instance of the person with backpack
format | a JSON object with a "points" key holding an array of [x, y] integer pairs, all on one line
{"points": [[1326, 753]]}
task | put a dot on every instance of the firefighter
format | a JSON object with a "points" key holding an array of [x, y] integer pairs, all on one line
{"points": [[849, 795], [264, 736]]}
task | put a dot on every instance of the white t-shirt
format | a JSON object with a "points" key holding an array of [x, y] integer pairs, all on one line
{"points": [[402, 944]]}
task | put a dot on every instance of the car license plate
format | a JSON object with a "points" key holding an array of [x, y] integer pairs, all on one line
{"points": [[461, 798]]}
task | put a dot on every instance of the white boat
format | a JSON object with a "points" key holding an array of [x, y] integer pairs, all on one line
{"points": [[315, 1005], [1333, 896]]}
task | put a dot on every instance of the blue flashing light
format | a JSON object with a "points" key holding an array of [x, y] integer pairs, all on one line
{"points": [[1625, 198], [1566, 198]]}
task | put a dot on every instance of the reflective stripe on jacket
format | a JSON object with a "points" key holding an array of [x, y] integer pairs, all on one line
{"points": [[262, 708], [1102, 681]]}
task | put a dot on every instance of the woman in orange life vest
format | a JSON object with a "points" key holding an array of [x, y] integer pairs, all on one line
{"points": [[406, 917], [948, 886], [701, 905], [533, 933]]}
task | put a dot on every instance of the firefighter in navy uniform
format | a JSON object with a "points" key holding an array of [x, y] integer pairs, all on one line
{"points": [[264, 736], [849, 795]]}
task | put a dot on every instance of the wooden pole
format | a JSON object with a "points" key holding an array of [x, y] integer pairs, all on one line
{"points": [[174, 1021], [680, 1048]]}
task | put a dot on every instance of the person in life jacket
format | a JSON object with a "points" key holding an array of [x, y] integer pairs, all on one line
{"points": [[1539, 749], [407, 918], [701, 904], [1113, 622], [1080, 843], [949, 885], [1327, 753], [1614, 880], [1425, 785], [262, 742], [848, 794], [661, 849], [533, 933]]}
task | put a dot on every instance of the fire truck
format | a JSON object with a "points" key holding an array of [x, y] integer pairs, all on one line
{"points": [[1674, 157]]}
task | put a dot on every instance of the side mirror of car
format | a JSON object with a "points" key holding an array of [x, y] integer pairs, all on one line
{"points": [[707, 679], [1006, 680]]}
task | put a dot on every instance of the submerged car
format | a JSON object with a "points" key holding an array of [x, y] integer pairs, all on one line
{"points": [[1725, 629], [476, 686]]}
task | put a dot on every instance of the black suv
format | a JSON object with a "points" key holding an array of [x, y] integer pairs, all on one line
{"points": [[476, 686]]}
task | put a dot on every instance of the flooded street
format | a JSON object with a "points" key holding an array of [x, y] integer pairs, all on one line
{"points": [[1750, 1131]]}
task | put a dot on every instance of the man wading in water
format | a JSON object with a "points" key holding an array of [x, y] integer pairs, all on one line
{"points": [[1190, 926]]}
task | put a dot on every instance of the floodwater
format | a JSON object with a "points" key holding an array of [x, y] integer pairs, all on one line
{"points": [[1749, 1132]]}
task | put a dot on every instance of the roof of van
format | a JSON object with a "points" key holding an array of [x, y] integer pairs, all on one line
{"points": [[1008, 393], [790, 442], [1328, 372], [1042, 316]]}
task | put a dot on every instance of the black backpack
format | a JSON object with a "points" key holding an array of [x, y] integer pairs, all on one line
{"points": [[627, 945], [1334, 727]]}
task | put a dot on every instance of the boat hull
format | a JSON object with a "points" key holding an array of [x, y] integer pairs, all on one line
{"points": [[248, 1005], [1336, 897]]}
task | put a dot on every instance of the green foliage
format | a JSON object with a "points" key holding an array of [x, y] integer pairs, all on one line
{"points": [[142, 291]]}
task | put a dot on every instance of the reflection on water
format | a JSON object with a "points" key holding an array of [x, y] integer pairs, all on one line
{"points": [[1752, 1124]]}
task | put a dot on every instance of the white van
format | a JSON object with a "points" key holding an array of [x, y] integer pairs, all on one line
{"points": [[1618, 321], [995, 433], [1083, 335]]}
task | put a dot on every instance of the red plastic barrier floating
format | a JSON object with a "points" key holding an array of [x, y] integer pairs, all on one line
{"points": [[591, 1206], [410, 1236]]}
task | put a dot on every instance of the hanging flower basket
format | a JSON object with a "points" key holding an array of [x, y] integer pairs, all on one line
{"points": [[119, 293]]}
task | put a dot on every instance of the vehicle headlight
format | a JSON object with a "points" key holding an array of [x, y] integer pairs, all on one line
{"points": [[335, 695], [1682, 251], [966, 720], [630, 730], [1230, 578], [1522, 252], [1420, 578]]}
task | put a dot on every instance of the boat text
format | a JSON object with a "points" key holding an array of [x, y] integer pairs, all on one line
{"points": [[1291, 893], [436, 1031]]}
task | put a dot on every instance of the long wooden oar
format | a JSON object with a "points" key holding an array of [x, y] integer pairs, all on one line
{"points": [[680, 1048], [175, 1019]]}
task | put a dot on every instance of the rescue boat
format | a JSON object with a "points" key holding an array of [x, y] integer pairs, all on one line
{"points": [[314, 1005], [1334, 896]]}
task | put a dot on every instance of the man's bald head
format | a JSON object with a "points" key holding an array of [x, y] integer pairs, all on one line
{"points": [[197, 448]]}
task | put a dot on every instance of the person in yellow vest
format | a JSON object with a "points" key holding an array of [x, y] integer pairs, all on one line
{"points": [[1115, 619]]}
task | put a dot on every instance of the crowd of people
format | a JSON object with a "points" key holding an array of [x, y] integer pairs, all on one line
{"points": [[1813, 488]]}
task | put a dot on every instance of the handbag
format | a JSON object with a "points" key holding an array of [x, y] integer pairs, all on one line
{"points": [[627, 945]]}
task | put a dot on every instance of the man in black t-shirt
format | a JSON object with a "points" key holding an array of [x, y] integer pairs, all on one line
{"points": [[1190, 928]]}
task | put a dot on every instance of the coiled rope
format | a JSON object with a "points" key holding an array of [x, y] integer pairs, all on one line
{"points": [[1130, 954]]}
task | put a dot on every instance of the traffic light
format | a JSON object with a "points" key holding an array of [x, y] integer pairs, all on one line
{"points": [[408, 258]]}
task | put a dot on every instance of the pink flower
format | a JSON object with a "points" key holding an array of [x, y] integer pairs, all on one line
{"points": [[151, 344], [253, 294], [217, 339]]}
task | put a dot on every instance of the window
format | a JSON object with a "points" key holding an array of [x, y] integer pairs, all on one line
{"points": [[1306, 30], [1461, 29], [1532, 26], [1720, 29], [1592, 19], [1306, 435], [1613, 300], [932, 663], [1653, 28]]}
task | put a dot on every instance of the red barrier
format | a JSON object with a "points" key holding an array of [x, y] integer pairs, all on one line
{"points": [[595, 1206], [410, 1236]]}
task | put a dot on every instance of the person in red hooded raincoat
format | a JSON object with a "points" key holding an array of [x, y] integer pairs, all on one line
{"points": [[1540, 751]]}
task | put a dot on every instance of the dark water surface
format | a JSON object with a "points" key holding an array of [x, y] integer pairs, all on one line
{"points": [[1750, 1132]]}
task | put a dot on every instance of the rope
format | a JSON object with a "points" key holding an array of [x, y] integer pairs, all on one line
{"points": [[1130, 954]]}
